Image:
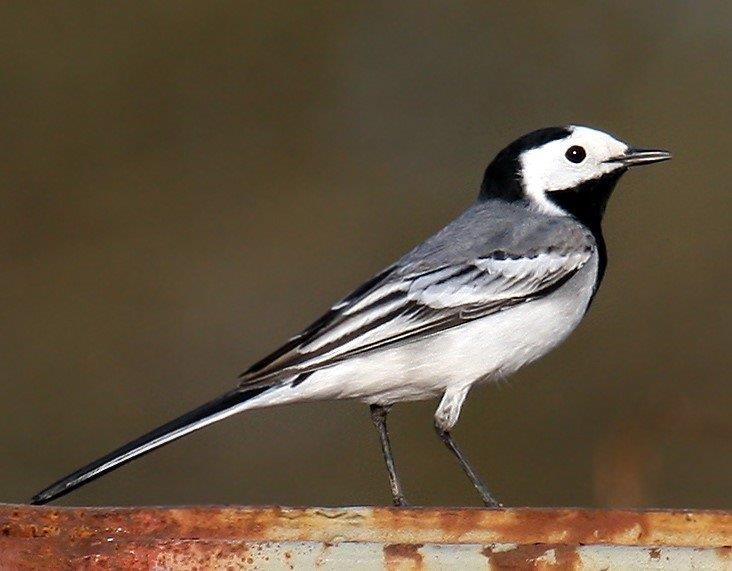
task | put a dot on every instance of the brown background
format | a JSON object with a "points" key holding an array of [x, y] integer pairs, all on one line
{"points": [[185, 184]]}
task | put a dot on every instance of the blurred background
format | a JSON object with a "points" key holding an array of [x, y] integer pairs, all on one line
{"points": [[185, 185]]}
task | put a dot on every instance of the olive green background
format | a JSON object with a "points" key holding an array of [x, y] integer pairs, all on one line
{"points": [[184, 185]]}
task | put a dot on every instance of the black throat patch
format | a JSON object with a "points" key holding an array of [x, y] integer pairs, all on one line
{"points": [[587, 202]]}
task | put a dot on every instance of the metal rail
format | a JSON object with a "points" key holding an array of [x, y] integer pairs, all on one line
{"points": [[361, 538]]}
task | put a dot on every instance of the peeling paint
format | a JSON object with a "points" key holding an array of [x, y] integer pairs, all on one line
{"points": [[403, 556], [368, 538]]}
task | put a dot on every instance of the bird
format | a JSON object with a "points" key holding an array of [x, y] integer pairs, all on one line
{"points": [[497, 288]]}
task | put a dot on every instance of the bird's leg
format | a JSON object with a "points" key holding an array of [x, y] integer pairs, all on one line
{"points": [[488, 499], [445, 419], [378, 416]]}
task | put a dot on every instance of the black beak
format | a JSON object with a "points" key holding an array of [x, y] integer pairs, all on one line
{"points": [[634, 157]]}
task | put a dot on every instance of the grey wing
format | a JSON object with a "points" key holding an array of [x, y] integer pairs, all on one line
{"points": [[401, 305]]}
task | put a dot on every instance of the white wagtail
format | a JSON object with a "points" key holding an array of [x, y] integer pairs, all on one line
{"points": [[497, 288]]}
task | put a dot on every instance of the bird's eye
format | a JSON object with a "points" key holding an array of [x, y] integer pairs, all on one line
{"points": [[575, 154]]}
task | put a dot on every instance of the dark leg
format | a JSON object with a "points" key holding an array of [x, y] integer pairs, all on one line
{"points": [[378, 416], [488, 499]]}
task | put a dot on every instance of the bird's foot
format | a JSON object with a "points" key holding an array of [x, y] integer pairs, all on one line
{"points": [[400, 501]]}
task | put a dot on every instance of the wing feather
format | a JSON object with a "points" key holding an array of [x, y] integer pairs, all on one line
{"points": [[398, 306]]}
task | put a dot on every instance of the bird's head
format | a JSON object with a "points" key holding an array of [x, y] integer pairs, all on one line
{"points": [[563, 170]]}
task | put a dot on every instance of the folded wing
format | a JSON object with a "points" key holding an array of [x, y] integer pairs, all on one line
{"points": [[400, 305]]}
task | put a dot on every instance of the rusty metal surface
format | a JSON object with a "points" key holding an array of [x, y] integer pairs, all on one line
{"points": [[360, 538]]}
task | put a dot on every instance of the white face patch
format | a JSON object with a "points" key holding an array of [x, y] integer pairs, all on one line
{"points": [[547, 168]]}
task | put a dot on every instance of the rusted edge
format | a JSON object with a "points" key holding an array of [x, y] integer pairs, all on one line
{"points": [[562, 526]]}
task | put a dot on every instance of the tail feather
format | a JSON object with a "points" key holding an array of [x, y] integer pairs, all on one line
{"points": [[217, 409]]}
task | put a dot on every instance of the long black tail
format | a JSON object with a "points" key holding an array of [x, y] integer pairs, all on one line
{"points": [[226, 405]]}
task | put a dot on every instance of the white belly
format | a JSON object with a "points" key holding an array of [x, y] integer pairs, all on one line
{"points": [[486, 349]]}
